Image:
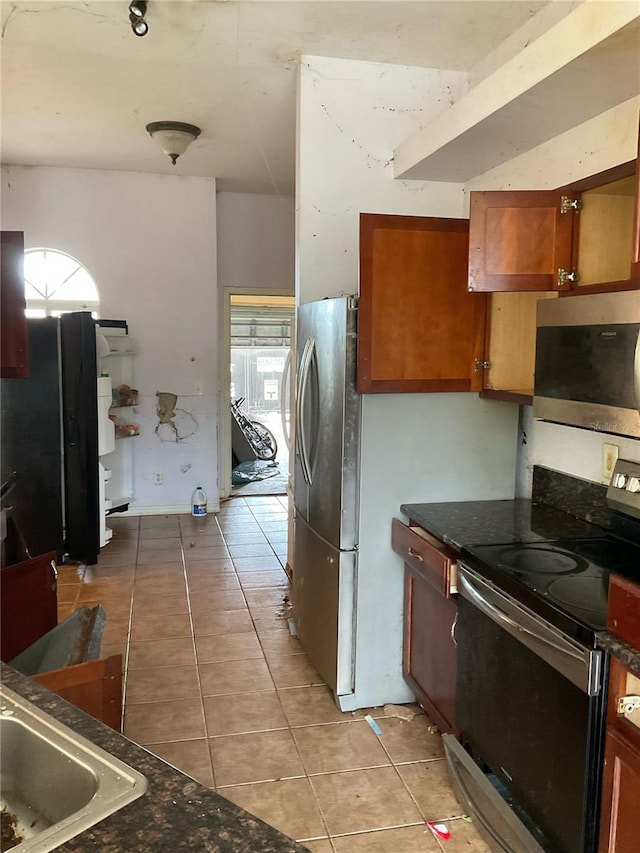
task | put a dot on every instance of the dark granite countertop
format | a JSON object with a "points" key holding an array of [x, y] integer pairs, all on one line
{"points": [[627, 655], [465, 523], [176, 813]]}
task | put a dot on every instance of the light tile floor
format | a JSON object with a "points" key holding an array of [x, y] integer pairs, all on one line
{"points": [[216, 685]]}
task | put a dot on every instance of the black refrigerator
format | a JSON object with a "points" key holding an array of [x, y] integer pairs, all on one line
{"points": [[49, 441]]}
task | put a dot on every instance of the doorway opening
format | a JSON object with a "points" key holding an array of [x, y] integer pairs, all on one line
{"points": [[260, 329]]}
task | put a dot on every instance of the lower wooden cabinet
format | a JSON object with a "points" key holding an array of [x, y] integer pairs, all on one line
{"points": [[429, 659], [620, 830], [620, 811], [95, 686], [429, 649], [29, 603], [29, 610]]}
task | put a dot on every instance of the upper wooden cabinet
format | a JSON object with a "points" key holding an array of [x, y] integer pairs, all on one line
{"points": [[13, 340], [635, 252], [605, 233], [519, 241], [584, 235], [419, 329]]}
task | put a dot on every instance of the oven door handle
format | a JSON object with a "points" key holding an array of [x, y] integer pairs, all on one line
{"points": [[500, 616], [580, 664]]}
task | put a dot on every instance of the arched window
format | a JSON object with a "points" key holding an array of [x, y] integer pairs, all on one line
{"points": [[55, 283]]}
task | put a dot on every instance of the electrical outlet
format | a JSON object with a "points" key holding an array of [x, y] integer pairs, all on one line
{"points": [[158, 479], [609, 457]]}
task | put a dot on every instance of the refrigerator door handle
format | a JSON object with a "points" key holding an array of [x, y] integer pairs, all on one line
{"points": [[305, 368], [303, 358]]}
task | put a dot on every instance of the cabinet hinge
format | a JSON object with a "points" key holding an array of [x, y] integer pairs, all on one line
{"points": [[568, 204], [479, 365], [566, 277], [628, 704]]}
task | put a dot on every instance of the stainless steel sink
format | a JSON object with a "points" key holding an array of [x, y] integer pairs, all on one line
{"points": [[54, 782]]}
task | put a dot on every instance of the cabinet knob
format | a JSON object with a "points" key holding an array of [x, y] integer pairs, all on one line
{"points": [[633, 485], [415, 555]]}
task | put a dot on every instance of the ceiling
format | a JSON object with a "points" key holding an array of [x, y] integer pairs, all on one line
{"points": [[78, 87]]}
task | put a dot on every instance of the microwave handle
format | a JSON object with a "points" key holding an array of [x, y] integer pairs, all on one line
{"points": [[636, 372]]}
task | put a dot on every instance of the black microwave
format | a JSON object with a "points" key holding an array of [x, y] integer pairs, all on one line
{"points": [[587, 371]]}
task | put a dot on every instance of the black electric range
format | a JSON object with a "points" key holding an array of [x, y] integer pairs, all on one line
{"points": [[565, 581], [532, 682]]}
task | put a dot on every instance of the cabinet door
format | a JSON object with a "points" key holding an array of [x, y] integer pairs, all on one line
{"points": [[29, 599], [13, 337], [635, 257], [620, 827], [623, 610], [418, 327], [94, 686], [519, 241], [429, 649]]}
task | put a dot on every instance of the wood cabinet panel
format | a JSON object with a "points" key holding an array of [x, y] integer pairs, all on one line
{"points": [[620, 814], [635, 255], [511, 341], [518, 241], [94, 686], [29, 603], [620, 829], [13, 332], [606, 233], [429, 649], [430, 611], [427, 557], [418, 327], [623, 609]]}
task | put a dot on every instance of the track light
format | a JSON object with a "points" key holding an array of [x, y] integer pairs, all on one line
{"points": [[174, 137], [137, 11]]}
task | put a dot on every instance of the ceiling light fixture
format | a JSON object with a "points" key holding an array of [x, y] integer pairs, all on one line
{"points": [[137, 11], [174, 137]]}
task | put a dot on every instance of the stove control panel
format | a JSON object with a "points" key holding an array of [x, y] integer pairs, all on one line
{"points": [[623, 493]]}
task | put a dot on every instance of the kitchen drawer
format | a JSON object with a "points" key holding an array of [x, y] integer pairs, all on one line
{"points": [[426, 556], [624, 610]]}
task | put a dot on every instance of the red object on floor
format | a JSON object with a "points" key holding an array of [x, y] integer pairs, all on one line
{"points": [[439, 829]]}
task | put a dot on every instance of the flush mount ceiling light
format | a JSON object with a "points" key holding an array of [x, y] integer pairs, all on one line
{"points": [[137, 11], [174, 137]]}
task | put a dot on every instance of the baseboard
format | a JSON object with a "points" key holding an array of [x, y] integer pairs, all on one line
{"points": [[180, 509]]}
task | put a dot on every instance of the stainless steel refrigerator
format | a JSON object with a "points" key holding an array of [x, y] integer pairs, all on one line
{"points": [[357, 459], [326, 487]]}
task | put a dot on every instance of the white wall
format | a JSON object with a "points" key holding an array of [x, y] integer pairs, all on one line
{"points": [[256, 241], [605, 141], [351, 117], [256, 250], [150, 243]]}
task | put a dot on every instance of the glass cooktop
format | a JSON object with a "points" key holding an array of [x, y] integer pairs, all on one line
{"points": [[564, 580]]}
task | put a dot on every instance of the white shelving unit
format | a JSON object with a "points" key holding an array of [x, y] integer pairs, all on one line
{"points": [[106, 446], [116, 366]]}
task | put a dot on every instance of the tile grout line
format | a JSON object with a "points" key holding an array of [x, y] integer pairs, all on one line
{"points": [[278, 690], [197, 660], [288, 727]]}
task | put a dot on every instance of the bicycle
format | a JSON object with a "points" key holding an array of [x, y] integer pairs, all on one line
{"points": [[260, 438]]}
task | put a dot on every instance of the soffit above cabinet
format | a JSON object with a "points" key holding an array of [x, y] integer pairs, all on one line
{"points": [[586, 64]]}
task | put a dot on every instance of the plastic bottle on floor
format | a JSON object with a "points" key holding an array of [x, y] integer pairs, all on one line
{"points": [[199, 502]]}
